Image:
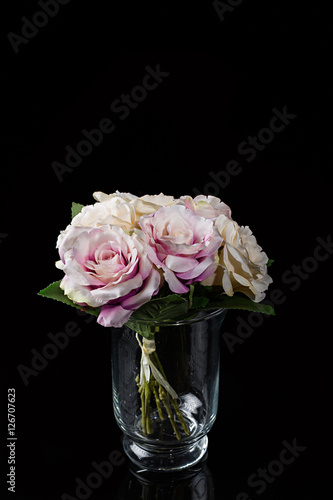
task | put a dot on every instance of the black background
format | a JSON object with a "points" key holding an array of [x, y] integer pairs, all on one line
{"points": [[225, 78]]}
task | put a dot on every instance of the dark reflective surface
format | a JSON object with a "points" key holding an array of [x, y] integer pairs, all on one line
{"points": [[194, 484]]}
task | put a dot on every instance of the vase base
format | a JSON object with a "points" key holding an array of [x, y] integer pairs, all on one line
{"points": [[165, 460]]}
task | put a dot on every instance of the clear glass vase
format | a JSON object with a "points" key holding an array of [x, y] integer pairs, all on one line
{"points": [[165, 391]]}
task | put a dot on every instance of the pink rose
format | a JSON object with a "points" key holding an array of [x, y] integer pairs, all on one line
{"points": [[106, 267], [183, 244]]}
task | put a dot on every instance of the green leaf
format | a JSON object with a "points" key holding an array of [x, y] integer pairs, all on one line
{"points": [[76, 209], [270, 262], [143, 329], [240, 302], [158, 310], [211, 297], [53, 291], [162, 309], [199, 302]]}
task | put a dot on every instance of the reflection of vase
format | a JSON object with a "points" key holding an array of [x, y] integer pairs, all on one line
{"points": [[197, 485], [187, 354]]}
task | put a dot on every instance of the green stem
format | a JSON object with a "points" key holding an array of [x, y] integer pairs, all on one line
{"points": [[158, 364], [165, 399], [161, 396], [180, 416], [143, 411], [157, 399], [173, 401], [146, 391]]}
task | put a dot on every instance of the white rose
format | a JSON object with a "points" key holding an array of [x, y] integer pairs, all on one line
{"points": [[209, 207], [99, 196], [112, 210], [117, 209], [242, 263], [149, 204], [144, 205]]}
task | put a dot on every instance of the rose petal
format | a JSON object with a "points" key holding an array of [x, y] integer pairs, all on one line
{"points": [[174, 284], [114, 316], [112, 291], [149, 289], [196, 271], [180, 264], [226, 283]]}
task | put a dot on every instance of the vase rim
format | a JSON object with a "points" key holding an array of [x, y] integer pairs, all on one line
{"points": [[202, 315]]}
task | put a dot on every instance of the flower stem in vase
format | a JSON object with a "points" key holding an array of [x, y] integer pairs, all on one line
{"points": [[165, 399], [173, 400], [157, 400], [152, 380]]}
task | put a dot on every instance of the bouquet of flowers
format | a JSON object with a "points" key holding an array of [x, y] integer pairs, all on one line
{"points": [[158, 259]]}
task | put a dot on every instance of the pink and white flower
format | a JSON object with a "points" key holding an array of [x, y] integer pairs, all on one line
{"points": [[183, 244], [108, 268]]}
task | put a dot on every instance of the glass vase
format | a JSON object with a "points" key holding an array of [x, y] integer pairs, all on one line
{"points": [[165, 389]]}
